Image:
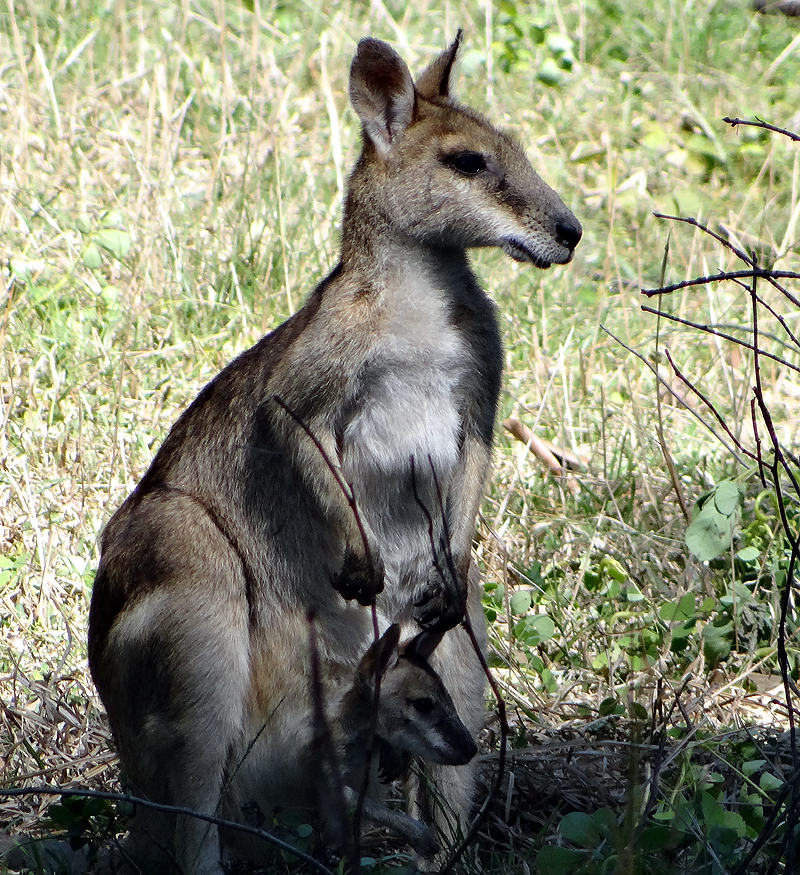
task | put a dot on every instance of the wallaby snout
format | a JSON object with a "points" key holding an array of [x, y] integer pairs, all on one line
{"points": [[475, 186]]}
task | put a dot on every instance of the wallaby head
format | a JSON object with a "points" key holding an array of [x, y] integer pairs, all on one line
{"points": [[442, 173], [416, 716]]}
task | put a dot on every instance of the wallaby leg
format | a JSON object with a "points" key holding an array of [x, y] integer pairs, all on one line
{"points": [[174, 674], [417, 834]]}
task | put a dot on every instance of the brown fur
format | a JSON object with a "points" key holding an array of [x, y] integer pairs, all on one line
{"points": [[240, 528]]}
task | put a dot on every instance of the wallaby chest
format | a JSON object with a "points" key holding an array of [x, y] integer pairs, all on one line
{"points": [[411, 387]]}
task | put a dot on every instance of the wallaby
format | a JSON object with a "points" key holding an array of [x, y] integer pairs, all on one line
{"points": [[412, 718], [338, 463]]}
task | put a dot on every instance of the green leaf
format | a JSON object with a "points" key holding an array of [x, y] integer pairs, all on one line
{"points": [[110, 295], [679, 611], [752, 766], [733, 820], [534, 629], [118, 243], [91, 256], [559, 44], [112, 219], [769, 783], [520, 602], [655, 838], [633, 594], [549, 72], [717, 641], [727, 497], [748, 554], [592, 578], [606, 821], [707, 605], [608, 706], [552, 860], [613, 569], [709, 535], [580, 829], [638, 711], [543, 625], [62, 816]]}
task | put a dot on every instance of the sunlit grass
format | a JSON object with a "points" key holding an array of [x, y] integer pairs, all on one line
{"points": [[219, 138]]}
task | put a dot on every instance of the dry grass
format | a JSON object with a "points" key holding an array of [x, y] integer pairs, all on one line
{"points": [[217, 138]]}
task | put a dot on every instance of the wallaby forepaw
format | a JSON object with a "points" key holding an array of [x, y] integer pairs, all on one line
{"points": [[436, 610], [359, 578]]}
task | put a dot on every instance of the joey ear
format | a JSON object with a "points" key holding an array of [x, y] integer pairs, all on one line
{"points": [[382, 92], [422, 645], [434, 81], [382, 654], [387, 648]]}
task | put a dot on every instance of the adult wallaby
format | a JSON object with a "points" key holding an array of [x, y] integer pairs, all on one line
{"points": [[314, 760], [337, 463]]}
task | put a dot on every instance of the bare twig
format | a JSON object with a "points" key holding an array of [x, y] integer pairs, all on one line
{"points": [[466, 624], [669, 388], [727, 275], [541, 450], [56, 790], [325, 749], [757, 123], [347, 489], [771, 467], [710, 329]]}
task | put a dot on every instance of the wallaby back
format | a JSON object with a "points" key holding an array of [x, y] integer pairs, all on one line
{"points": [[338, 463]]}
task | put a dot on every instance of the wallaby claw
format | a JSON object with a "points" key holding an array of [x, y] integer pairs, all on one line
{"points": [[358, 578], [436, 610]]}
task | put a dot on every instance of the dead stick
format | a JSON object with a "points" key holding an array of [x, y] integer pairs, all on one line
{"points": [[540, 449]]}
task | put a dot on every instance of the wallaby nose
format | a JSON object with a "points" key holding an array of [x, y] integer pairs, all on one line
{"points": [[569, 232]]}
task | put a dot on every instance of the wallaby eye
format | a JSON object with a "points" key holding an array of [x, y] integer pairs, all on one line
{"points": [[466, 162], [424, 705]]}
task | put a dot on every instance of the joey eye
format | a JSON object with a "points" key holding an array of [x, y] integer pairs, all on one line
{"points": [[424, 705], [469, 163]]}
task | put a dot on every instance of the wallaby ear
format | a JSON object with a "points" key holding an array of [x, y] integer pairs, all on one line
{"points": [[422, 645], [382, 92], [434, 81], [382, 654]]}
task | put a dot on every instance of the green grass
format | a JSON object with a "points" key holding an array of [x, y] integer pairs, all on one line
{"points": [[171, 177]]}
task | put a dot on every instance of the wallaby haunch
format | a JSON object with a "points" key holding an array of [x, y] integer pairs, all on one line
{"points": [[320, 763], [378, 395]]}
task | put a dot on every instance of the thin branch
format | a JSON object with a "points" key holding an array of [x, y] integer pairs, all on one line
{"points": [[347, 489], [673, 474], [726, 275], [710, 329], [56, 790], [734, 122], [717, 415], [325, 750], [480, 817], [689, 220], [466, 624], [669, 388]]}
